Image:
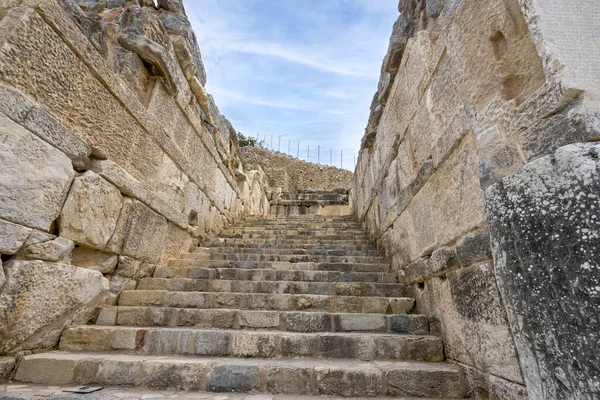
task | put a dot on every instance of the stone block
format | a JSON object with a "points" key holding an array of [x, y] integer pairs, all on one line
{"points": [[7, 366], [34, 177], [116, 241], [212, 343], [360, 381], [18, 108], [107, 316], [473, 248], [473, 320], [182, 342], [350, 322], [42, 370], [233, 378], [84, 257], [91, 211], [258, 319], [289, 380], [52, 250], [146, 234], [12, 236], [499, 155], [59, 290], [545, 234], [177, 243], [159, 374], [306, 322], [255, 344]]}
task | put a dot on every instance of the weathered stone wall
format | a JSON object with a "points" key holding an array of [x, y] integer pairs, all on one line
{"points": [[113, 158], [291, 174], [470, 93]]}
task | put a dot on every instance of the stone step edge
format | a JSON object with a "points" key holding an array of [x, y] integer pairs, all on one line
{"points": [[284, 321], [258, 271], [32, 392], [229, 286], [252, 344], [287, 376]]}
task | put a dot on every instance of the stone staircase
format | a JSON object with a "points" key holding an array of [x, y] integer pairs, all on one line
{"points": [[298, 305]]}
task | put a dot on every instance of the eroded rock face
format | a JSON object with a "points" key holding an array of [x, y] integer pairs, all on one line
{"points": [[40, 294], [546, 236]]}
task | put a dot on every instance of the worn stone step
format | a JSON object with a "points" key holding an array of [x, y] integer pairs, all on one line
{"points": [[346, 378], [308, 231], [285, 251], [275, 287], [287, 258], [268, 235], [236, 243], [282, 265], [250, 344], [292, 321], [37, 392], [260, 301], [273, 275]]}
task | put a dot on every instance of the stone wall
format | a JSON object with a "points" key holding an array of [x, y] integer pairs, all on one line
{"points": [[292, 174], [472, 93], [113, 158]]}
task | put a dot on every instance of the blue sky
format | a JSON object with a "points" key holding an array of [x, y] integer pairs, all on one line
{"points": [[303, 69]]}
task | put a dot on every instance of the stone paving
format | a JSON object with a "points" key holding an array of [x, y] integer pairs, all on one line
{"points": [[30, 392]]}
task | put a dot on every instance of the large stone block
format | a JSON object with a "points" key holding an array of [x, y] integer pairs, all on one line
{"points": [[177, 243], [85, 257], [34, 177], [473, 321], [38, 295], [91, 211], [566, 36], [545, 238], [146, 235], [448, 206]]}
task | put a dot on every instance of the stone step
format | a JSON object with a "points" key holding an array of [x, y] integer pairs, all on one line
{"points": [[275, 302], [282, 265], [273, 275], [252, 344], [308, 230], [335, 246], [295, 225], [275, 287], [37, 392], [300, 242], [291, 321], [285, 251], [346, 378], [362, 238], [285, 257]]}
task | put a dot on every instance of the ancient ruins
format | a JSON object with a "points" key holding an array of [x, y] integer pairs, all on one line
{"points": [[143, 251]]}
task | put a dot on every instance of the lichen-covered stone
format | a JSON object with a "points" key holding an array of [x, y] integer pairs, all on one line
{"points": [[545, 235]]}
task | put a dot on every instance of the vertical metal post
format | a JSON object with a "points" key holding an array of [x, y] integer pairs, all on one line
{"points": [[289, 144], [319, 154], [271, 141], [298, 152], [279, 146]]}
